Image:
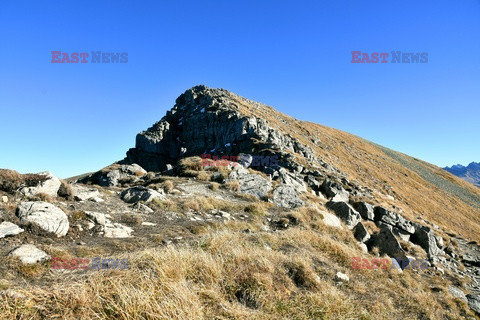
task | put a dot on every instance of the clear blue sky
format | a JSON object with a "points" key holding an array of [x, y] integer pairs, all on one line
{"points": [[293, 55]]}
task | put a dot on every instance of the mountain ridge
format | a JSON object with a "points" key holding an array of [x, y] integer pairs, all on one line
{"points": [[255, 128], [470, 173]]}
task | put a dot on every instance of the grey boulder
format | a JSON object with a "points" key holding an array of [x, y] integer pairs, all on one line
{"points": [[286, 197], [393, 219], [253, 184], [345, 212], [366, 210], [29, 254], [136, 194], [386, 242], [425, 238], [49, 186], [334, 191], [44, 215], [9, 229], [361, 233]]}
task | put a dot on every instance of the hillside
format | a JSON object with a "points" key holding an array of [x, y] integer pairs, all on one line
{"points": [[470, 173], [298, 221]]}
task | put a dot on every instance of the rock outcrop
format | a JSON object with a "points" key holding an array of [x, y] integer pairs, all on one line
{"points": [[206, 120]]}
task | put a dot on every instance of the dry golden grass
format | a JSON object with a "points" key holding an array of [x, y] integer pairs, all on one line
{"points": [[233, 185], [168, 186], [11, 181], [231, 275]]}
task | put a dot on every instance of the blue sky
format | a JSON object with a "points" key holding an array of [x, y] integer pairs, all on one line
{"points": [[293, 55]]}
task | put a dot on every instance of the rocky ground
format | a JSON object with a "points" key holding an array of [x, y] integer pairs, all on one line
{"points": [[163, 195]]}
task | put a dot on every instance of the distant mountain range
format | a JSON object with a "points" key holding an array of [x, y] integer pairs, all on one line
{"points": [[470, 173]]}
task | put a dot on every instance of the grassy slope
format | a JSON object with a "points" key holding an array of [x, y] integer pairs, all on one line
{"points": [[420, 189]]}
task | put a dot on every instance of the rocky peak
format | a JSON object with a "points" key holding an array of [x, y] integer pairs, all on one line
{"points": [[217, 122], [470, 173]]}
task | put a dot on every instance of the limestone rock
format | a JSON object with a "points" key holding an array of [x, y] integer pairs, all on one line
{"points": [[144, 194], [425, 238], [49, 186], [388, 244], [334, 191], [81, 193], [393, 219], [115, 174], [9, 229], [29, 254], [457, 293], [366, 210], [474, 302], [341, 277], [292, 180], [45, 215], [285, 196], [361, 233], [253, 184], [209, 120], [331, 220], [345, 212]]}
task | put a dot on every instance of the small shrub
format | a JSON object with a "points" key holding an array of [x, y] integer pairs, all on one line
{"points": [[165, 205], [168, 186], [233, 185], [11, 181], [191, 163], [255, 209], [191, 204], [213, 186], [134, 219], [65, 190], [41, 197], [203, 176]]}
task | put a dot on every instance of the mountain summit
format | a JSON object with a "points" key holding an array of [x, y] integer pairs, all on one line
{"points": [[470, 173]]}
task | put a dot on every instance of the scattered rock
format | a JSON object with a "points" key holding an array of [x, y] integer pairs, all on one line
{"points": [[425, 238], [405, 236], [293, 180], [474, 302], [253, 184], [388, 244], [45, 215], [136, 194], [81, 193], [286, 197], [4, 199], [97, 217], [9, 229], [29, 254], [331, 220], [361, 233], [142, 208], [335, 191], [457, 293], [345, 212], [113, 175], [117, 230], [342, 277], [393, 219], [365, 209]]}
